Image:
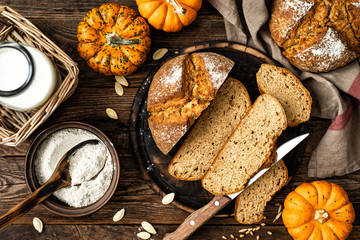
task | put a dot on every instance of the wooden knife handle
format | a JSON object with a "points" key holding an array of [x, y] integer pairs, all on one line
{"points": [[198, 218], [31, 201]]}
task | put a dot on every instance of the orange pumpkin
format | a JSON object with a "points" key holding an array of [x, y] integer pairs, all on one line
{"points": [[318, 211], [113, 39], [169, 15]]}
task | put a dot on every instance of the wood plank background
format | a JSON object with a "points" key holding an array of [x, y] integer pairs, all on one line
{"points": [[58, 20]]}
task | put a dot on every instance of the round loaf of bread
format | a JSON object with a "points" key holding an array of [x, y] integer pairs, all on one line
{"points": [[181, 89], [316, 35]]}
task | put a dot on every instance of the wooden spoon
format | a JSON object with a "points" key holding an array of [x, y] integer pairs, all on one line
{"points": [[59, 179]]}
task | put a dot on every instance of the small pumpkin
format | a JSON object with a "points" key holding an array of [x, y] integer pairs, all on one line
{"points": [[169, 15], [113, 39], [318, 211]]}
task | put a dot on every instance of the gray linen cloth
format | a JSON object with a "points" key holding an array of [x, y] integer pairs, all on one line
{"points": [[335, 94]]}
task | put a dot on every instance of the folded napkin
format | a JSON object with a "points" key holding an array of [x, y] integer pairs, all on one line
{"points": [[335, 94]]}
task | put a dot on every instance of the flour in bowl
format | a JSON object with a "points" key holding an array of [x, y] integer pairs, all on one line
{"points": [[87, 184]]}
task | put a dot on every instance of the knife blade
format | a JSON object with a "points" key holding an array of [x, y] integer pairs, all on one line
{"points": [[281, 152], [203, 214]]}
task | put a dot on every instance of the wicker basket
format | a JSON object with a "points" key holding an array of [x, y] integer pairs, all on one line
{"points": [[16, 126]]}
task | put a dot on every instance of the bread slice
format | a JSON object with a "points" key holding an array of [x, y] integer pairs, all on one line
{"points": [[248, 148], [288, 90], [211, 131], [250, 204], [179, 92]]}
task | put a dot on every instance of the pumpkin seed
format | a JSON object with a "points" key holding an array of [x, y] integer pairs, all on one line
{"points": [[223, 237], [242, 235], [111, 113], [232, 236], [160, 53], [122, 80], [168, 198], [144, 235], [270, 233], [277, 216], [38, 224], [148, 227], [119, 89], [263, 224], [119, 215], [243, 230]]}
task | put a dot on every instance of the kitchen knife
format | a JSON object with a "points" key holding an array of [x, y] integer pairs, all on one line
{"points": [[202, 215]]}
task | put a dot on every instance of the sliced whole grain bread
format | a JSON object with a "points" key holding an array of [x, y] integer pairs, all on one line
{"points": [[288, 90], [211, 131], [248, 148], [251, 203]]}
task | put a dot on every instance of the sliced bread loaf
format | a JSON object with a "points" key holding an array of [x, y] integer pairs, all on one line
{"points": [[288, 90], [250, 204], [179, 92], [211, 131], [248, 148]]}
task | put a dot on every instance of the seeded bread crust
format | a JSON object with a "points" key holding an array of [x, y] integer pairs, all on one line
{"points": [[248, 148], [316, 35], [250, 204], [288, 90], [181, 89], [211, 131]]}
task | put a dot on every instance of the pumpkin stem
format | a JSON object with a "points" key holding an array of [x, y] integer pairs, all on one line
{"points": [[177, 7], [321, 215], [115, 40]]}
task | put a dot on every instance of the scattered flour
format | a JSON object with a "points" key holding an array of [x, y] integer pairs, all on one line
{"points": [[83, 165]]}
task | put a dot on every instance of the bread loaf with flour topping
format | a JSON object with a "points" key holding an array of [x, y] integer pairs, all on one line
{"points": [[316, 35], [181, 89]]}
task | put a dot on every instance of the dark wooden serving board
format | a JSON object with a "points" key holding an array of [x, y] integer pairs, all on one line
{"points": [[153, 164]]}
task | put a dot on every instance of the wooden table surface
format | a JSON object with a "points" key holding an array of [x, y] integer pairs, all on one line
{"points": [[58, 20]]}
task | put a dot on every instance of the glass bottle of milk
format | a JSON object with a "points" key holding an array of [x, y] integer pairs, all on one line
{"points": [[27, 77]]}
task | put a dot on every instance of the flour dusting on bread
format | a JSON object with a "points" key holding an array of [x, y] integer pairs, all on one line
{"points": [[316, 35], [216, 67], [289, 21], [356, 4], [172, 82], [330, 45], [301, 8], [329, 50]]}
